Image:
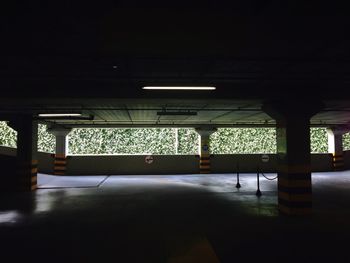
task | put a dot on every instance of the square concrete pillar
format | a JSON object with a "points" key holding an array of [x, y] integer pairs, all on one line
{"points": [[335, 146], [61, 136], [293, 154], [204, 150], [25, 176]]}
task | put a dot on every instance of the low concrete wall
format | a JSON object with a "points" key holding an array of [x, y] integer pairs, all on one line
{"points": [[45, 163], [169, 164], [321, 162], [346, 156], [8, 151], [7, 164], [45, 160], [7, 173], [132, 164], [227, 163], [181, 164]]}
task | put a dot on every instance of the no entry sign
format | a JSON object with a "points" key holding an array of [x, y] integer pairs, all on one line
{"points": [[149, 159], [265, 158]]}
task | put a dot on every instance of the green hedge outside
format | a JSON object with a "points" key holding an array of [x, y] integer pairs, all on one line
{"points": [[166, 140]]}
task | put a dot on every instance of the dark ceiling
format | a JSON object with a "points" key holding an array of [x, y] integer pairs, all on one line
{"points": [[96, 59]]}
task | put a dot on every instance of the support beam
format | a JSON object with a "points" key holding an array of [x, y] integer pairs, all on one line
{"points": [[60, 162], [204, 150], [335, 145], [25, 176], [293, 154]]}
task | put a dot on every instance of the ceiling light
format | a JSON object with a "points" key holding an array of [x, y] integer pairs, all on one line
{"points": [[59, 114], [64, 116], [178, 88]]}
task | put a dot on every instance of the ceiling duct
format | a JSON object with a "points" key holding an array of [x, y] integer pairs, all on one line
{"points": [[174, 113]]}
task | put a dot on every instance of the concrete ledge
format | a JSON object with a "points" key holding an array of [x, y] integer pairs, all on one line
{"points": [[346, 156], [321, 162], [168, 164], [227, 163], [132, 164]]}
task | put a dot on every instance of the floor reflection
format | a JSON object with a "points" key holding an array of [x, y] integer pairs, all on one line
{"points": [[10, 217]]}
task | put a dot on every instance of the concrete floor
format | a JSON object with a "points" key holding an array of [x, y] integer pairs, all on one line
{"points": [[173, 218]]}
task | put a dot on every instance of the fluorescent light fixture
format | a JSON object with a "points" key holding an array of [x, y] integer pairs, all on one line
{"points": [[178, 88], [59, 114]]}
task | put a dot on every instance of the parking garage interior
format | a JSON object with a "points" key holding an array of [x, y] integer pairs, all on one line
{"points": [[247, 64]]}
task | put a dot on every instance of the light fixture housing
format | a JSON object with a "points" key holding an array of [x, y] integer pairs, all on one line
{"points": [[177, 88], [52, 115], [173, 113], [64, 116]]}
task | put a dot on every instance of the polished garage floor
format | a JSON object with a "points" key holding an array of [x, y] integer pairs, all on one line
{"points": [[173, 218]]}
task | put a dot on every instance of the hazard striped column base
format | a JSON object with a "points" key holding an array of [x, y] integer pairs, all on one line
{"points": [[295, 193], [204, 164], [60, 164], [26, 177], [338, 162]]}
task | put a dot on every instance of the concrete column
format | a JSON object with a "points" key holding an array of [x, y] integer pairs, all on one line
{"points": [[204, 151], [335, 146], [25, 177], [293, 154], [60, 162]]}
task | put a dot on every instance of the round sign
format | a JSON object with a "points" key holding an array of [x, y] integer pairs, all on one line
{"points": [[149, 159], [265, 158]]}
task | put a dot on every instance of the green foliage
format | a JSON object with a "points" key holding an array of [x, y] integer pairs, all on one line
{"points": [[122, 141], [243, 140], [8, 136], [188, 141], [319, 141], [46, 141], [346, 141], [163, 141]]}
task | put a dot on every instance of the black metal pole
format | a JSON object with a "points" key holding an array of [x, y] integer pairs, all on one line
{"points": [[238, 185], [258, 192]]}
